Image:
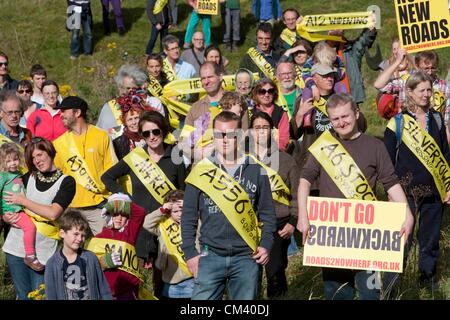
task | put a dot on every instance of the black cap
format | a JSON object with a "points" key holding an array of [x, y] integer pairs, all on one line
{"points": [[73, 102]]}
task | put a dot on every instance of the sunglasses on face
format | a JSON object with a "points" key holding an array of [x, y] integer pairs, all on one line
{"points": [[4, 64], [264, 91], [222, 135], [24, 91], [155, 132], [299, 52]]}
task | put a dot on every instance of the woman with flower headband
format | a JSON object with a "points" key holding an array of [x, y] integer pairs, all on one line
{"points": [[153, 174], [48, 193], [132, 105]]}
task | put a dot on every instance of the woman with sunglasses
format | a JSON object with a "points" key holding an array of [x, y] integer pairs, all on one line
{"points": [[284, 172], [265, 94], [153, 173], [48, 193], [24, 92], [46, 122]]}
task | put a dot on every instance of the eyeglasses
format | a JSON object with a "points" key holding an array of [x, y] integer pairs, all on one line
{"points": [[174, 48], [4, 64], [155, 132], [285, 74], [198, 39], [222, 135], [24, 91], [10, 113], [264, 91]]}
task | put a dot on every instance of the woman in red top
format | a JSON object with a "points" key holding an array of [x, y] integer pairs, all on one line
{"points": [[46, 122]]}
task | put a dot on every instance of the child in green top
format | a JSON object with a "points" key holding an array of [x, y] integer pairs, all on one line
{"points": [[11, 182]]}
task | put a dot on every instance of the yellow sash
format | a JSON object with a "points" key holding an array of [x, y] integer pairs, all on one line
{"points": [[148, 172], [48, 228], [230, 197], [168, 70], [115, 108], [130, 262], [299, 82], [159, 6], [288, 36], [426, 150], [262, 63], [439, 101], [341, 167], [154, 87], [321, 105], [171, 234], [76, 165], [4, 139], [280, 191]]}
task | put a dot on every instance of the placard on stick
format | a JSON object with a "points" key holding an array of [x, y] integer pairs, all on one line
{"points": [[355, 234], [210, 7], [423, 24]]}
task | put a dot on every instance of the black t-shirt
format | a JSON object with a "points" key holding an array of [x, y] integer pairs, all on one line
{"points": [[75, 282], [65, 194]]}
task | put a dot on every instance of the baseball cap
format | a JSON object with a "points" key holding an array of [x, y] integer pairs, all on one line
{"points": [[321, 69], [72, 102]]}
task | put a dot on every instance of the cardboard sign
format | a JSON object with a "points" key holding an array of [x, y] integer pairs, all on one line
{"points": [[355, 234], [210, 7], [423, 24]]}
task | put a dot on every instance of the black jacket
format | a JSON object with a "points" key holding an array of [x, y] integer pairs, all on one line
{"points": [[164, 17]]}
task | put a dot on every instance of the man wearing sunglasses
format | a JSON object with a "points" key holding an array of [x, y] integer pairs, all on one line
{"points": [[231, 196], [6, 82], [84, 152]]}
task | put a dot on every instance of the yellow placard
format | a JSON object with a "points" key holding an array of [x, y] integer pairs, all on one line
{"points": [[422, 24], [355, 234], [210, 7]]}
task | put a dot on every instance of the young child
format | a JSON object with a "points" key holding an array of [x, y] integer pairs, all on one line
{"points": [[124, 220], [11, 182], [73, 273], [165, 223]]}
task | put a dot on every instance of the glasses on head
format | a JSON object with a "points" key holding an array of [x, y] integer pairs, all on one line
{"points": [[34, 140], [261, 127], [10, 113], [264, 91], [24, 91], [155, 132], [222, 135], [4, 64]]}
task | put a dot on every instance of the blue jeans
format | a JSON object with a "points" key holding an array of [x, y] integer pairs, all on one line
{"points": [[86, 23], [25, 279], [192, 25], [340, 284], [153, 36], [214, 271]]}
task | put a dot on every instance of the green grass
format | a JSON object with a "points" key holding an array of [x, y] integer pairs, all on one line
{"points": [[33, 31]]}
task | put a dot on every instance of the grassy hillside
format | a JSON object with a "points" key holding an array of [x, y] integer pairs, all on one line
{"points": [[33, 31]]}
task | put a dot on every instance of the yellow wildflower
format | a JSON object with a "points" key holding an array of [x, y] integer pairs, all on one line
{"points": [[88, 69], [111, 46], [65, 90]]}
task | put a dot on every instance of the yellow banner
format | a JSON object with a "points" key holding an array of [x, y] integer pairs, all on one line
{"points": [[4, 139], [148, 172], [76, 165], [168, 70], [130, 262], [210, 7], [159, 6], [45, 227], [280, 191], [355, 234], [341, 167], [299, 82], [426, 150], [171, 234], [423, 24], [230, 197], [154, 87]]}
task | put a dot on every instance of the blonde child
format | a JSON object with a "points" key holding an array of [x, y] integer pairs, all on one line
{"points": [[11, 182]]}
